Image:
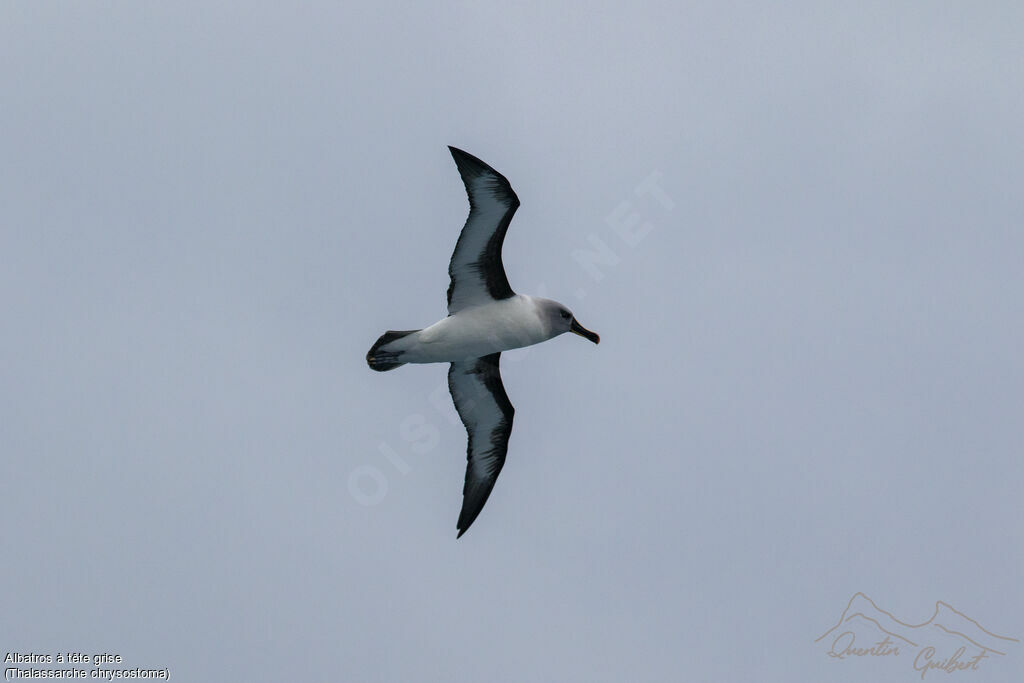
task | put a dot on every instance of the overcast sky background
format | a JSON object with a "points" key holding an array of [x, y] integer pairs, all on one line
{"points": [[810, 381]]}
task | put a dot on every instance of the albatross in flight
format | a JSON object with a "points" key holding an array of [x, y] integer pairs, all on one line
{"points": [[485, 317]]}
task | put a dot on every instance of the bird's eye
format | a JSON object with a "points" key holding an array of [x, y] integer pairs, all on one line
{"points": [[566, 314]]}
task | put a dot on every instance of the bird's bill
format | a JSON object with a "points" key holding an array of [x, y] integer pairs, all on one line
{"points": [[576, 328]]}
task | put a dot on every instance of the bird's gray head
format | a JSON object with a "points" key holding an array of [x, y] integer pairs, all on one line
{"points": [[560, 319]]}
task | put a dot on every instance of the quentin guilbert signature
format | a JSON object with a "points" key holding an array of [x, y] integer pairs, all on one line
{"points": [[950, 641]]}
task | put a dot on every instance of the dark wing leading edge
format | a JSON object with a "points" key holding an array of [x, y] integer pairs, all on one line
{"points": [[483, 405], [478, 276]]}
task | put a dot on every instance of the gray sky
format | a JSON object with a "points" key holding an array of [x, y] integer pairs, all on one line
{"points": [[809, 383]]}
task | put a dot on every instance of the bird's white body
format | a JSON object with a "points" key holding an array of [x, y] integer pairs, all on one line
{"points": [[477, 331]]}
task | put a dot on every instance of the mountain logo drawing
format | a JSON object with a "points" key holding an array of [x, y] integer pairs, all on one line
{"points": [[950, 641]]}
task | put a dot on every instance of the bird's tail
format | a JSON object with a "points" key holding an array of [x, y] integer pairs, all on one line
{"points": [[381, 360]]}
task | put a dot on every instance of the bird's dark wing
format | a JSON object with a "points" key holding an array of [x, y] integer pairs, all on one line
{"points": [[477, 274], [483, 405]]}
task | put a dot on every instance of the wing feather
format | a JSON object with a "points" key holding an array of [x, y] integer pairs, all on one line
{"points": [[476, 271], [485, 410]]}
